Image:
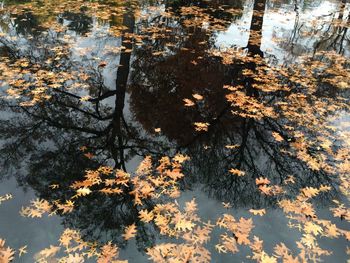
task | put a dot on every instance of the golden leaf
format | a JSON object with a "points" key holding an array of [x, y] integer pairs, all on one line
{"points": [[310, 191], [22, 250], [130, 232], [197, 96], [226, 205], [49, 252], [188, 102], [259, 212], [83, 191], [277, 136], [146, 216], [237, 172], [184, 225], [262, 181], [201, 126], [220, 248]]}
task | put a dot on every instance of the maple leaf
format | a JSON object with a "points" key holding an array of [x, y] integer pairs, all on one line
{"points": [[54, 186], [180, 158], [325, 188], [290, 179], [201, 126], [262, 181], [108, 191], [184, 225], [49, 252], [191, 206], [6, 253], [237, 172], [83, 191], [105, 170], [37, 208], [220, 248], [265, 258], [281, 250], [74, 258], [277, 136], [130, 232], [308, 240], [188, 102], [109, 253], [146, 216], [67, 207], [312, 228], [242, 238], [197, 96], [310, 191], [5, 197], [232, 146], [332, 231], [83, 148], [267, 190], [226, 205], [259, 212], [22, 250], [257, 245]]}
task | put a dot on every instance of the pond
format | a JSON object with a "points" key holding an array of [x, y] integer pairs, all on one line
{"points": [[174, 131]]}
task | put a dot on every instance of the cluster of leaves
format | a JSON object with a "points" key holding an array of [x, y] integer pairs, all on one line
{"points": [[76, 250], [192, 232], [142, 186]]}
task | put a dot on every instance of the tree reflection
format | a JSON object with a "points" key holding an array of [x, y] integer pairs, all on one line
{"points": [[164, 87], [48, 137], [79, 23]]}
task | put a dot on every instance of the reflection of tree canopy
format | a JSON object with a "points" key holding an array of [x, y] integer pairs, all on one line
{"points": [[49, 134], [207, 76], [257, 91], [80, 23], [60, 107]]}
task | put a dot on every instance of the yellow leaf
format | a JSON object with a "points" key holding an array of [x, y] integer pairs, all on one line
{"points": [[226, 205], [201, 126], [83, 191], [146, 216], [220, 248], [259, 212], [236, 172], [197, 96], [188, 102], [277, 136], [184, 225], [310, 191], [130, 232], [22, 250]]}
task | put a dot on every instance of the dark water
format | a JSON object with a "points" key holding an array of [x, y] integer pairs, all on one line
{"points": [[41, 147]]}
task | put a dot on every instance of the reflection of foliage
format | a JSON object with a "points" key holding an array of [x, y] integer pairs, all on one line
{"points": [[105, 187], [195, 233], [80, 23], [258, 135]]}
